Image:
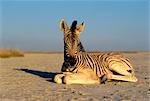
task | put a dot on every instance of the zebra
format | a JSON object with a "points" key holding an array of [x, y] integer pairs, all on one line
{"points": [[86, 68], [67, 60]]}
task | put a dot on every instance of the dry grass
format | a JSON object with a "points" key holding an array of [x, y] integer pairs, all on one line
{"points": [[6, 53]]}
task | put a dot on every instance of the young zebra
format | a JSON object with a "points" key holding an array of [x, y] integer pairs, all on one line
{"points": [[84, 68], [67, 61]]}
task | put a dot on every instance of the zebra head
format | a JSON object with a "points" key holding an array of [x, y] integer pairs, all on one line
{"points": [[71, 38]]}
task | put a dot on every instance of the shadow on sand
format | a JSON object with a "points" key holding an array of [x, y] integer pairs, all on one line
{"points": [[49, 76]]}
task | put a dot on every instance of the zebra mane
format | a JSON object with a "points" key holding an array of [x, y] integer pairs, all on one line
{"points": [[73, 26], [80, 47]]}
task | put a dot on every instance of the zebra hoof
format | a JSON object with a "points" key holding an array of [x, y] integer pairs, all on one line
{"points": [[104, 79], [58, 79], [133, 79]]}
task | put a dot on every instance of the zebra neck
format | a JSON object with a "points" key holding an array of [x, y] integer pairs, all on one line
{"points": [[80, 47]]}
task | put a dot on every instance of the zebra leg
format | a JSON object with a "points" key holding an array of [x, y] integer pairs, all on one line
{"points": [[58, 78], [130, 78], [121, 69], [126, 74], [81, 78]]}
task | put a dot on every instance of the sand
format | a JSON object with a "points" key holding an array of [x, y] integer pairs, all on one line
{"points": [[30, 78]]}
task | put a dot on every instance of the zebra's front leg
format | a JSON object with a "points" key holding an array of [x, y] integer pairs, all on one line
{"points": [[59, 77], [86, 77]]}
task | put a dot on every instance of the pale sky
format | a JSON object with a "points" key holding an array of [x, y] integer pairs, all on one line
{"points": [[110, 24]]}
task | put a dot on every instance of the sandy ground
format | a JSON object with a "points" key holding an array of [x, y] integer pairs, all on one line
{"points": [[29, 78]]}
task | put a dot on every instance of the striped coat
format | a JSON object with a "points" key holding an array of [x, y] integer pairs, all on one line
{"points": [[100, 63]]}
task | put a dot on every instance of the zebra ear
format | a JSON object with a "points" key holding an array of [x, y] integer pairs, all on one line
{"points": [[63, 25], [80, 28]]}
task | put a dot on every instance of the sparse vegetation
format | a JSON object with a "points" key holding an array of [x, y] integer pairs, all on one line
{"points": [[6, 53]]}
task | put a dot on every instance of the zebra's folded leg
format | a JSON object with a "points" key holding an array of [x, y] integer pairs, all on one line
{"points": [[126, 73], [58, 78], [121, 69], [129, 78], [80, 78]]}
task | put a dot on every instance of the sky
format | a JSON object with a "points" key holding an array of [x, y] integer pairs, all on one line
{"points": [[110, 25]]}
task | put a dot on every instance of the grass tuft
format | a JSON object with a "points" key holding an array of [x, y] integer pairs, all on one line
{"points": [[6, 53]]}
